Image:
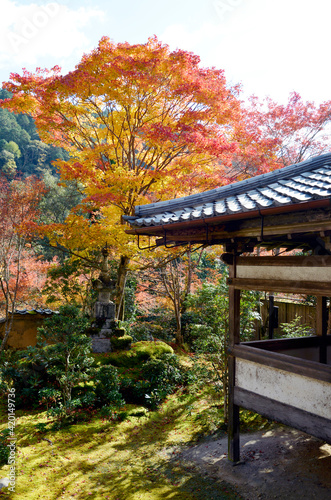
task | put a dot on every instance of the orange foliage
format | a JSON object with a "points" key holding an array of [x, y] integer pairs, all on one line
{"points": [[298, 130], [33, 275], [142, 123], [18, 213]]}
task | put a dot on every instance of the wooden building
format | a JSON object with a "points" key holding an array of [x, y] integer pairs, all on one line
{"points": [[288, 380], [25, 327]]}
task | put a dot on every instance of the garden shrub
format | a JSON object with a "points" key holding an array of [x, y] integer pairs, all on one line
{"points": [[25, 371], [49, 396], [157, 379], [107, 386], [48, 373], [68, 353], [4, 450], [111, 413], [146, 331], [86, 396], [295, 328], [65, 414], [165, 369], [133, 390], [209, 336], [163, 374]]}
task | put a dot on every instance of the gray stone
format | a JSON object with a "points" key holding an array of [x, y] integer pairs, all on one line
{"points": [[104, 310], [100, 345]]}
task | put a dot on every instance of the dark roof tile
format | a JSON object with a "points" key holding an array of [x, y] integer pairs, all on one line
{"points": [[309, 180]]}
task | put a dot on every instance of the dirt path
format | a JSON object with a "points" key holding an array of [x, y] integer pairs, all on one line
{"points": [[279, 464]]}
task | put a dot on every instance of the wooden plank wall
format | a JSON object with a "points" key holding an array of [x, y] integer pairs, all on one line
{"points": [[288, 311]]}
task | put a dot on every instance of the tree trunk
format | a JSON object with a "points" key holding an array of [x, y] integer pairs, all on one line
{"points": [[179, 335], [120, 286], [10, 297], [8, 327]]}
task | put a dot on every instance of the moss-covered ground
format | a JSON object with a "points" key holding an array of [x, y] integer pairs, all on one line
{"points": [[133, 459], [130, 459]]}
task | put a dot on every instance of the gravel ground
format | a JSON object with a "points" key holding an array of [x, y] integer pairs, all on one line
{"points": [[278, 464]]}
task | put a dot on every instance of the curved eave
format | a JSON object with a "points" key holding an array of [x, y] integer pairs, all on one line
{"points": [[221, 219]]}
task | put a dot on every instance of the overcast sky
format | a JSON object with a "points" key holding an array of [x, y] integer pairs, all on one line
{"points": [[271, 47]]}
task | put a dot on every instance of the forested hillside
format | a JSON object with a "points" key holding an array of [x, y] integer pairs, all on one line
{"points": [[21, 150]]}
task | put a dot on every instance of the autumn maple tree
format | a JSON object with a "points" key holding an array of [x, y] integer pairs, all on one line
{"points": [[141, 123], [296, 131], [18, 213], [33, 275]]}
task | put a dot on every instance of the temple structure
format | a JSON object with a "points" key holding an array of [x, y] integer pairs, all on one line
{"points": [[288, 380]]}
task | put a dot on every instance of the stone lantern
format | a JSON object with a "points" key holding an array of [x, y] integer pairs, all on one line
{"points": [[104, 308]]}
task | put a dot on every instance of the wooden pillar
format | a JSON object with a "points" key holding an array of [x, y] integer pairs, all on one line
{"points": [[322, 326], [271, 315], [234, 338]]}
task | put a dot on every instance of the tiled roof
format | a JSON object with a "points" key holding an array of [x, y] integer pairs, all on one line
{"points": [[302, 182], [31, 312]]}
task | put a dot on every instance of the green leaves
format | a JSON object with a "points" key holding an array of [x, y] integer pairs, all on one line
{"points": [[66, 356]]}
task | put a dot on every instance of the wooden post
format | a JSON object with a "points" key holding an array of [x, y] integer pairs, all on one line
{"points": [[234, 334], [271, 315], [322, 326]]}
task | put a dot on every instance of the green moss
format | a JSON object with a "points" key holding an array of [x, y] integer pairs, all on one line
{"points": [[119, 332], [121, 342], [124, 460], [146, 350], [139, 352], [138, 411]]}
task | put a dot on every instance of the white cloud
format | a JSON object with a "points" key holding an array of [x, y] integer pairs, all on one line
{"points": [[31, 32]]}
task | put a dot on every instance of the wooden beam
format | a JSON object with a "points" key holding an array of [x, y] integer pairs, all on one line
{"points": [[297, 268], [286, 343], [227, 227], [290, 286], [287, 261], [315, 425], [284, 362], [240, 231]]}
